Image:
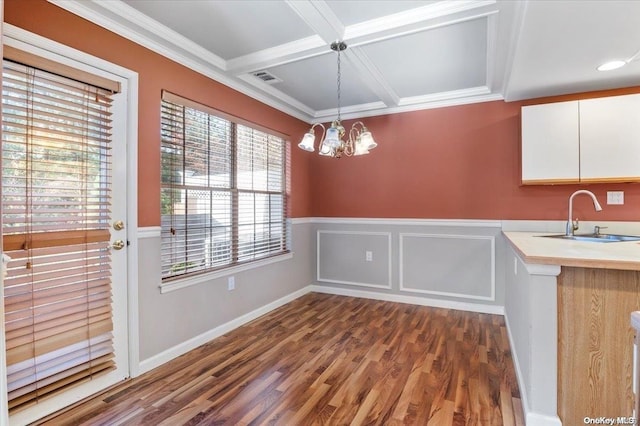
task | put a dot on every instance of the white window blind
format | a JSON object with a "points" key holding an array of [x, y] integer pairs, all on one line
{"points": [[56, 201], [223, 190]]}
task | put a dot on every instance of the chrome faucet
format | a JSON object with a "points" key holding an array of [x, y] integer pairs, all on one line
{"points": [[571, 225], [597, 229]]}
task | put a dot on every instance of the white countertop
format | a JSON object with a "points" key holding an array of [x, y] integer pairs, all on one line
{"points": [[556, 251]]}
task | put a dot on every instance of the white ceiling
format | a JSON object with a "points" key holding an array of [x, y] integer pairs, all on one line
{"points": [[401, 55]]}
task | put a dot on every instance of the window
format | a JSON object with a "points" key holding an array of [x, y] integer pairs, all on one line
{"points": [[223, 199], [56, 183]]}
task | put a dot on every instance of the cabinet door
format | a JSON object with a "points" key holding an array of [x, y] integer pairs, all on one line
{"points": [[610, 139], [550, 145]]}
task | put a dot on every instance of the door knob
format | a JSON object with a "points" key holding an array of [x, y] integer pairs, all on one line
{"points": [[118, 225], [117, 245]]}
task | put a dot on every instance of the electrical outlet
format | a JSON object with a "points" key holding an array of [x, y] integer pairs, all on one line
{"points": [[368, 255], [231, 283], [615, 197]]}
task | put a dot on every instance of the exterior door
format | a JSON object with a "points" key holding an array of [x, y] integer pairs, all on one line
{"points": [[64, 182]]}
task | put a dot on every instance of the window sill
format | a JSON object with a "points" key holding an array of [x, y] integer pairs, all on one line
{"points": [[202, 278]]}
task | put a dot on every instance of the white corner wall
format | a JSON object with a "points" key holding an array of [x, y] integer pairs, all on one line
{"points": [[531, 315]]}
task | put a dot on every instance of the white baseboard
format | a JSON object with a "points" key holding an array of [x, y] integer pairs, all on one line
{"points": [[182, 348], [516, 366], [535, 419], [413, 300], [532, 418]]}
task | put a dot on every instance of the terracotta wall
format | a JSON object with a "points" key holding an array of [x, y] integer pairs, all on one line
{"points": [[156, 73], [457, 162]]}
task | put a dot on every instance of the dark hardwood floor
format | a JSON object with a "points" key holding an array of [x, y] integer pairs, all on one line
{"points": [[333, 360]]}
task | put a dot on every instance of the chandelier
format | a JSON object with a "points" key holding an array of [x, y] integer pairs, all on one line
{"points": [[333, 143]]}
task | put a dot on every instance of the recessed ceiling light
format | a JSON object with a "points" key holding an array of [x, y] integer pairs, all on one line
{"points": [[611, 65]]}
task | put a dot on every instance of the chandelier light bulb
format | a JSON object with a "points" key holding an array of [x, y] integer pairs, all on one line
{"points": [[332, 140], [326, 151], [307, 142], [361, 147]]}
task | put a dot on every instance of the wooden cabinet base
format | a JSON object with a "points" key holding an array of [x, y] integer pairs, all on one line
{"points": [[595, 343]]}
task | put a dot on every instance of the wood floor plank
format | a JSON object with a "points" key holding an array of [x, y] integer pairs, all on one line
{"points": [[401, 406], [328, 360]]}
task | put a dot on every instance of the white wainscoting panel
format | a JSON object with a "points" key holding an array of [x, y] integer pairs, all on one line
{"points": [[461, 266], [341, 258]]}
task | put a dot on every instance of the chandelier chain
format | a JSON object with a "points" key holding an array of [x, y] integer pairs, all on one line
{"points": [[339, 77]]}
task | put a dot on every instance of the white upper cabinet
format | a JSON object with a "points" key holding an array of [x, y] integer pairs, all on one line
{"points": [[610, 139], [550, 145], [592, 140]]}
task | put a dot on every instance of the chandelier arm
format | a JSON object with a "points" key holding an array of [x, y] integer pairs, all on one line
{"points": [[363, 127], [348, 147], [324, 131], [353, 133]]}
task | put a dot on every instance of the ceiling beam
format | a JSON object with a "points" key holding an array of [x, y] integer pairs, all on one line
{"points": [[371, 76], [279, 55], [320, 18], [418, 19]]}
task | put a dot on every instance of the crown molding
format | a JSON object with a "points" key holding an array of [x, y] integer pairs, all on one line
{"points": [[427, 105], [445, 96], [416, 103], [351, 111], [122, 19]]}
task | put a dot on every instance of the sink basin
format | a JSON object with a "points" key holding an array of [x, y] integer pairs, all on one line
{"points": [[596, 238]]}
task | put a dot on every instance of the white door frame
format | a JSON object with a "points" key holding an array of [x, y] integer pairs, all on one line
{"points": [[24, 40], [4, 409]]}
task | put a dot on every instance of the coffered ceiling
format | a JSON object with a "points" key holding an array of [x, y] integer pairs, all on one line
{"points": [[402, 55]]}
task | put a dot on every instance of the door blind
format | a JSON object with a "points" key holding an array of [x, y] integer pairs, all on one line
{"points": [[56, 181]]}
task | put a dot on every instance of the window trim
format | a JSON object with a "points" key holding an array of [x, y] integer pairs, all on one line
{"points": [[172, 283]]}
